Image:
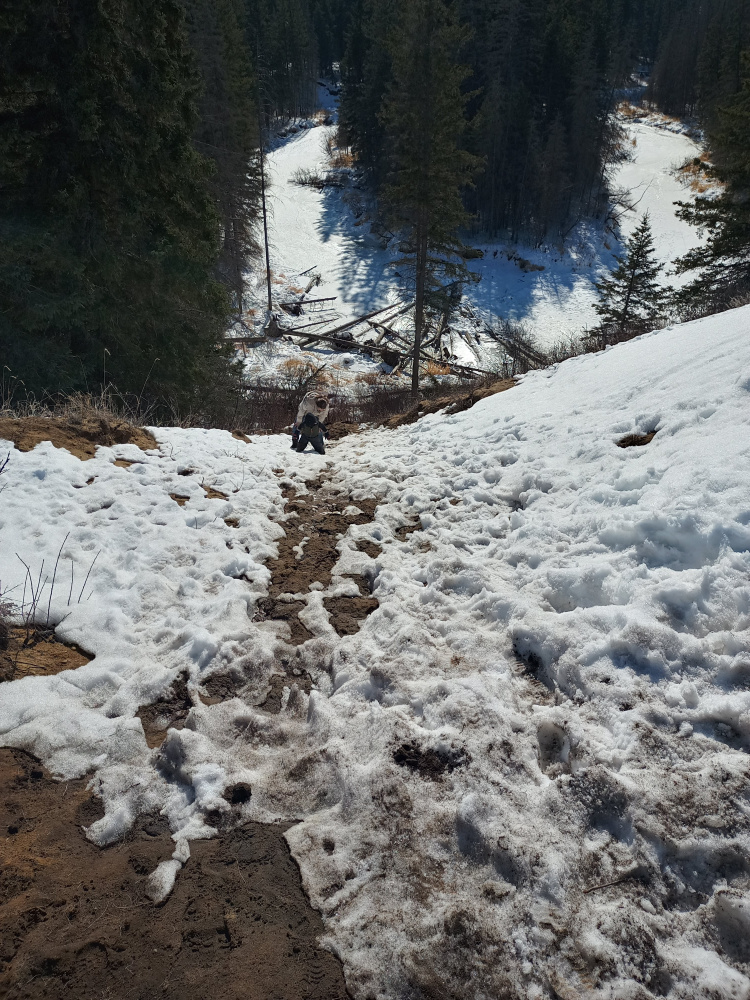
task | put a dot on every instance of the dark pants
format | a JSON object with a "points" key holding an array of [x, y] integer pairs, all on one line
{"points": [[317, 442]]}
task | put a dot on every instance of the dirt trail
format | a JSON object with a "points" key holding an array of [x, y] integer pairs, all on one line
{"points": [[316, 521], [75, 920]]}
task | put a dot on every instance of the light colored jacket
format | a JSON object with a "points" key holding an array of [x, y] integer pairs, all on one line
{"points": [[310, 404]]}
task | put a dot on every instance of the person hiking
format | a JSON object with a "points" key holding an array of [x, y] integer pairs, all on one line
{"points": [[309, 427], [311, 431]]}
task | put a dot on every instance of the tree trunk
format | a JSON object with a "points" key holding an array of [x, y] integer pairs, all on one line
{"points": [[421, 273]]}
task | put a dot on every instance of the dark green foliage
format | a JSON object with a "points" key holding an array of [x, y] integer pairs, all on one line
{"points": [[107, 232], [366, 76], [227, 131], [280, 34], [423, 117], [543, 75], [631, 297], [698, 49], [723, 262]]}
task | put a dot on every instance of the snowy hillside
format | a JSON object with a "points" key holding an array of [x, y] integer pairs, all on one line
{"points": [[512, 715]]}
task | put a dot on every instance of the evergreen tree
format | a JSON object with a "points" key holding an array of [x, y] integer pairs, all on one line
{"points": [[631, 297], [367, 74], [724, 260], [108, 237], [280, 36], [227, 132], [423, 115]]}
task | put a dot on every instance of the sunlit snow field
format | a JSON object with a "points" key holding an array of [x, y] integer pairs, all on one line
{"points": [[318, 230]]}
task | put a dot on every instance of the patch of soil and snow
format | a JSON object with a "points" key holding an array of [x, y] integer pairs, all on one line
{"points": [[24, 653], [79, 437], [76, 920]]}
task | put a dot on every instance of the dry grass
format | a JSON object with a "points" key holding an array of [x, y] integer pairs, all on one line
{"points": [[696, 175], [432, 369], [341, 159]]}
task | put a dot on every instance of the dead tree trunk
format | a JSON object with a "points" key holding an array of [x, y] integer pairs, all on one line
{"points": [[421, 279]]}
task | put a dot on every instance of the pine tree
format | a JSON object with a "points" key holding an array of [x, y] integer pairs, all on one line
{"points": [[423, 115], [631, 297], [723, 261], [108, 237], [227, 132]]}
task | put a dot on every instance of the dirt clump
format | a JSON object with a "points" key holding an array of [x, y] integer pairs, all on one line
{"points": [[403, 532], [284, 611], [371, 549], [212, 493], [24, 654], [429, 762], [169, 712], [256, 689], [75, 920], [348, 613], [636, 440], [78, 436], [340, 429], [450, 404]]}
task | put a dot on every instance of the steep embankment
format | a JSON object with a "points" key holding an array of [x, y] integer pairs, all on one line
{"points": [[505, 700]]}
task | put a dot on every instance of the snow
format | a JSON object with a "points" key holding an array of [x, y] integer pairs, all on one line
{"points": [[654, 187], [550, 289], [567, 635]]}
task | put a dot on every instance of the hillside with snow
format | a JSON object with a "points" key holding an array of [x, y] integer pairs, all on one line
{"points": [[492, 668]]}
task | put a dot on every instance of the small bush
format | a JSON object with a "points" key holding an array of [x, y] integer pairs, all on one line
{"points": [[305, 177]]}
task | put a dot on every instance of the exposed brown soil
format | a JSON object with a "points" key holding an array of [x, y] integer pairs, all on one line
{"points": [[347, 613], [37, 656], [636, 440], [79, 437], [255, 690], [307, 554], [429, 762], [169, 712], [232, 522], [450, 404], [403, 532], [179, 499], [284, 611], [213, 494], [75, 920], [339, 429], [372, 549]]}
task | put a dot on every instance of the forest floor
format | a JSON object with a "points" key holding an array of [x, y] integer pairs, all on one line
{"points": [[460, 709]]}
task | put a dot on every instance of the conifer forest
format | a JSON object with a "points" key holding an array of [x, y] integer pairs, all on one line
{"points": [[132, 137]]}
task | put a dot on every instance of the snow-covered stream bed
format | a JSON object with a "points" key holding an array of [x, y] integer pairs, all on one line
{"points": [[318, 231], [526, 775]]}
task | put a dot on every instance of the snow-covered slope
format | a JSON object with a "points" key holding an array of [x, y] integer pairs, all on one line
{"points": [[527, 775]]}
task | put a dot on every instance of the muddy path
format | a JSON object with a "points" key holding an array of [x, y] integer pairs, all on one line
{"points": [[76, 919], [315, 522]]}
